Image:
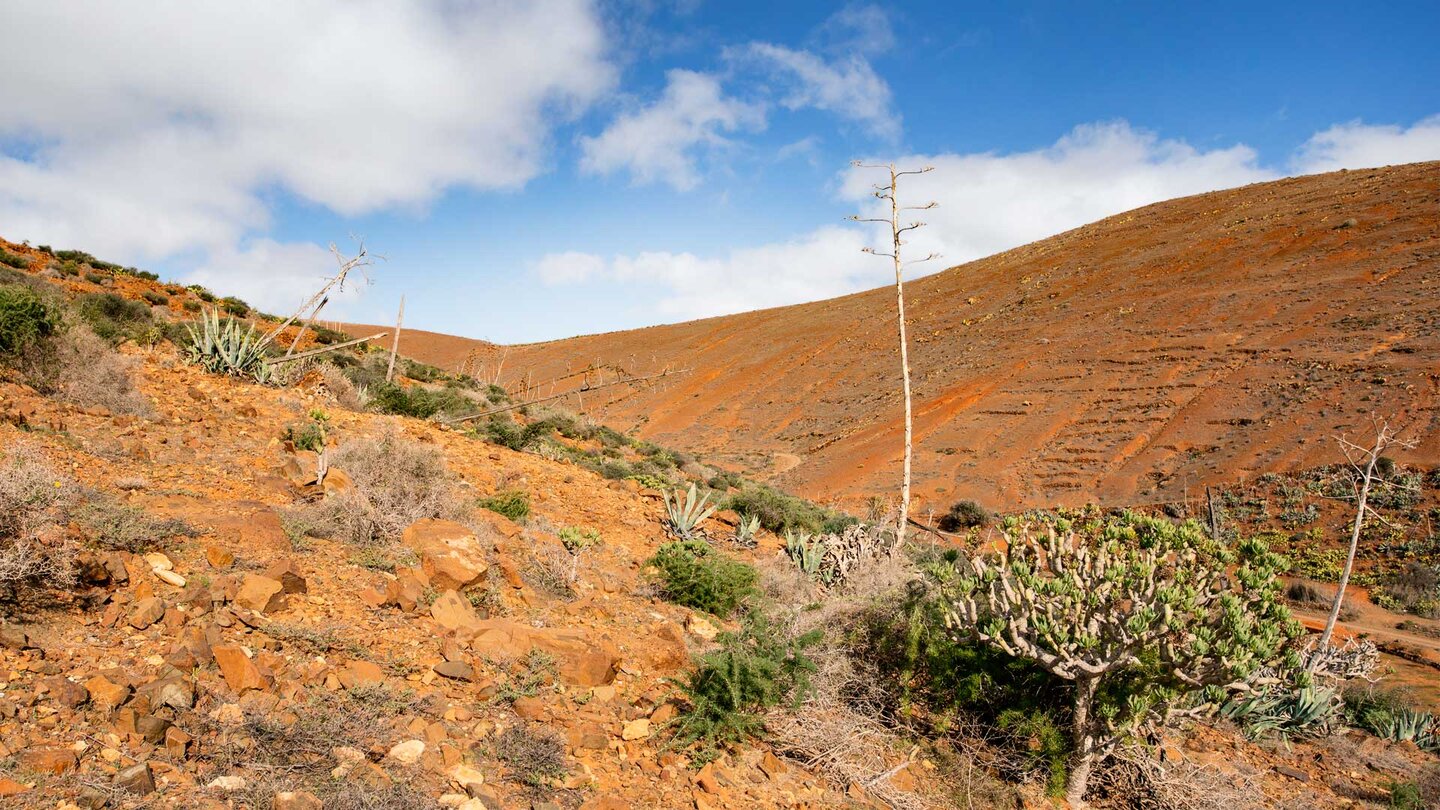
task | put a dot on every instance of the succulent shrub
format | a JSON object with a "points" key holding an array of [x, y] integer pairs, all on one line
{"points": [[745, 531], [228, 348], [683, 517], [1139, 613], [694, 574]]}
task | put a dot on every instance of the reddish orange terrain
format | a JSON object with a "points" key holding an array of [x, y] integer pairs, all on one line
{"points": [[1194, 341]]}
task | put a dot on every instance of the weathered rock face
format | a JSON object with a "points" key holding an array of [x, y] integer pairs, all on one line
{"points": [[452, 612], [261, 593], [581, 659], [239, 671], [451, 555]]}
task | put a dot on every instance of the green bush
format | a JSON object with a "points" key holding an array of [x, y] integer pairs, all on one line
{"points": [[234, 306], [512, 503], [125, 528], [503, 430], [780, 513], [96, 278], [25, 319], [191, 305], [204, 294], [695, 575], [112, 317], [754, 669], [14, 260], [155, 298], [416, 401], [1406, 796], [964, 515]]}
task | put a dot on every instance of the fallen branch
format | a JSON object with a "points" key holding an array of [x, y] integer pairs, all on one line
{"points": [[326, 349]]}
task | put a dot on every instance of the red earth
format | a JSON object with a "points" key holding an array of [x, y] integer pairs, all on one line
{"points": [[1199, 340]]}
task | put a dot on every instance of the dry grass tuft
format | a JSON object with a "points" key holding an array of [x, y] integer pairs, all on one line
{"points": [[35, 499], [396, 482]]}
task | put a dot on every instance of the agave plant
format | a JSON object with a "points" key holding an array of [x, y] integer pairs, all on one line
{"points": [[806, 550], [745, 530], [1309, 710], [227, 349], [683, 517], [1409, 725]]}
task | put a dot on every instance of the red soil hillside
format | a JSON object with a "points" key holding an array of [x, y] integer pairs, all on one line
{"points": [[1201, 339]]}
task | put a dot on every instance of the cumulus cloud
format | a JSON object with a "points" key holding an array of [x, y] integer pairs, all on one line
{"points": [[988, 202], [570, 267], [663, 141], [846, 86], [160, 129], [1355, 145]]}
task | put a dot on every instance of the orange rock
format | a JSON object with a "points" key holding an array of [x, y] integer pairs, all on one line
{"points": [[260, 593], [47, 760], [219, 557], [451, 555], [361, 673], [288, 575], [581, 658], [147, 612], [453, 612], [240, 673]]}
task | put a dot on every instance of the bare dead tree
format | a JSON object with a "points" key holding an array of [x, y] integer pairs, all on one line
{"points": [[317, 302], [395, 345], [1363, 460], [890, 192]]}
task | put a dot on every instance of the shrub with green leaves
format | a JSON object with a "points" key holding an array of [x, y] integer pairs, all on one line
{"points": [[26, 319], [683, 516], [964, 515], [761, 666], [1126, 605], [512, 503], [779, 512], [14, 260], [112, 317], [504, 431], [695, 575], [155, 298], [417, 401], [234, 306]]}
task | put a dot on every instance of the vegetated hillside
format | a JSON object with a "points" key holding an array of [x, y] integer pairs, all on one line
{"points": [[1197, 340]]}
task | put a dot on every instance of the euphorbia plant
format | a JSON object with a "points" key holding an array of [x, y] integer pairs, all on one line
{"points": [[1141, 614]]}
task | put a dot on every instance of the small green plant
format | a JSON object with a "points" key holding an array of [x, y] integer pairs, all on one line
{"points": [[416, 400], [1307, 711], [155, 298], [745, 531], [310, 435], [126, 528], [683, 518], [512, 503], [504, 431], [526, 677], [1406, 796], [807, 551], [227, 349], [96, 278], [779, 512], [694, 574], [760, 666], [578, 539], [25, 319]]}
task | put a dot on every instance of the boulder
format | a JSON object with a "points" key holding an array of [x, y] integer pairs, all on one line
{"points": [[456, 670], [361, 673], [407, 752], [105, 694], [237, 668], [451, 555], [581, 659], [453, 612], [261, 593], [47, 759], [147, 612], [136, 779], [288, 575], [296, 800]]}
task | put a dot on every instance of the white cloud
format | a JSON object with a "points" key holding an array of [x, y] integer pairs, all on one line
{"points": [[570, 267], [661, 142], [988, 203], [159, 129], [1355, 145], [274, 276], [847, 86], [859, 28], [991, 202]]}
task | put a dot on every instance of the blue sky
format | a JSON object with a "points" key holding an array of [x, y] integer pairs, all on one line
{"points": [[538, 170]]}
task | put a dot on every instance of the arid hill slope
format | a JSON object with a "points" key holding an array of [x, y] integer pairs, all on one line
{"points": [[1200, 339]]}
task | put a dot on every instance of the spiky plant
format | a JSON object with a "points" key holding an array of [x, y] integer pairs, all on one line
{"points": [[807, 551], [1139, 613], [1307, 711], [227, 348], [745, 530], [1409, 725], [683, 517]]}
